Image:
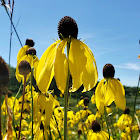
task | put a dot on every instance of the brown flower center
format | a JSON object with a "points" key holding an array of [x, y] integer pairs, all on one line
{"points": [[67, 26]]}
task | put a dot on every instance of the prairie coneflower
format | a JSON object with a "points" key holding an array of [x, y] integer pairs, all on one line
{"points": [[80, 61], [109, 89], [96, 133], [125, 120], [29, 43], [27, 53]]}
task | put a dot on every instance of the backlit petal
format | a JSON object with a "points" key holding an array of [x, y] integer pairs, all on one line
{"points": [[90, 74], [120, 100], [61, 67], [22, 52], [77, 62], [99, 96], [45, 69], [109, 92]]}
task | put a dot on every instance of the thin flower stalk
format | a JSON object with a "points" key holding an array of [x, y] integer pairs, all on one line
{"points": [[11, 32], [22, 106], [135, 101], [66, 95], [4, 4], [107, 123], [57, 127], [32, 99], [14, 108]]}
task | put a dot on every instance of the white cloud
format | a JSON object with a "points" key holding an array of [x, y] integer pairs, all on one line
{"points": [[131, 66]]}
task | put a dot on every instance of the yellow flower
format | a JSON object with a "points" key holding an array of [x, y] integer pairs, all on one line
{"points": [[93, 98], [96, 133], [80, 103], [109, 89], [125, 120], [27, 53], [89, 120], [108, 110], [54, 63], [29, 43], [125, 136]]}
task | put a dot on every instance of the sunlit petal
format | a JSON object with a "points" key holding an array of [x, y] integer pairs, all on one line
{"points": [[45, 69], [22, 52], [77, 62], [99, 96], [90, 74], [109, 92], [120, 100], [61, 67]]}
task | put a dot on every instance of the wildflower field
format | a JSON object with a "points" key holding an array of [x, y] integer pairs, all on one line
{"points": [[59, 96]]}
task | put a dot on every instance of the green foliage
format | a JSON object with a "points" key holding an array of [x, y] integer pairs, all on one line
{"points": [[13, 84]]}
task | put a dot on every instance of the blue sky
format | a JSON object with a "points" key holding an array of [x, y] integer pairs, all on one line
{"points": [[110, 28]]}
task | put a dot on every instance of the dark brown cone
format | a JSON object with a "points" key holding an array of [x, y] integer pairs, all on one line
{"points": [[30, 42], [79, 132], [31, 50], [96, 126], [126, 111], [86, 101], [108, 71], [67, 26], [4, 73], [24, 67]]}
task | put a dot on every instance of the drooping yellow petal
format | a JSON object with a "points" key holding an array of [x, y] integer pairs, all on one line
{"points": [[104, 94], [77, 62], [90, 74], [45, 69], [61, 67], [109, 92], [35, 63], [99, 96], [22, 52], [120, 100]]}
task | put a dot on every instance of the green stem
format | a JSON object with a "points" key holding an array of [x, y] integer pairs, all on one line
{"points": [[57, 126], [13, 25], [32, 99], [66, 95], [107, 122], [14, 108], [23, 95], [134, 108]]}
